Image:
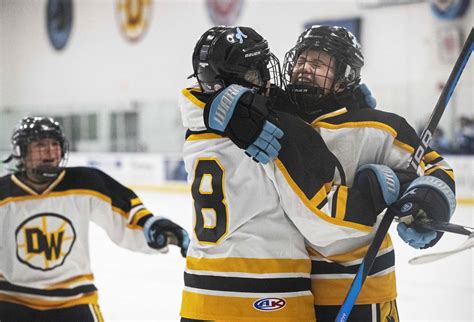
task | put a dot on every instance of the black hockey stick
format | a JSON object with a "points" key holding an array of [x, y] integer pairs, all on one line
{"points": [[425, 139], [447, 227]]}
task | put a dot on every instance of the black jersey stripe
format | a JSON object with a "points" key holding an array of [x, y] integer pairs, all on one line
{"points": [[322, 203], [5, 286], [434, 161], [381, 263], [247, 285], [141, 221], [334, 203], [80, 178], [189, 133]]}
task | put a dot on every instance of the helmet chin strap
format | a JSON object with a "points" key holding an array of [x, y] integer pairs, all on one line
{"points": [[43, 174]]}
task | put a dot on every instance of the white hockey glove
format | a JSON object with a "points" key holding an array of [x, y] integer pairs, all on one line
{"points": [[159, 232]]}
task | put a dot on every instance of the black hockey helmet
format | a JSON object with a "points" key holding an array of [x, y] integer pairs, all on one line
{"points": [[31, 129], [227, 55], [342, 46]]}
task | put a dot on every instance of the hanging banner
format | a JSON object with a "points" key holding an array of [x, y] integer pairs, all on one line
{"points": [[59, 22], [224, 12], [449, 9], [133, 18], [449, 42]]}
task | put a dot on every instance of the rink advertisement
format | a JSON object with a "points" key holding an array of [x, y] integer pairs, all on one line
{"points": [[142, 171], [160, 172]]}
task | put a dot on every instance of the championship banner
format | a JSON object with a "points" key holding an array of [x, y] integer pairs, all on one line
{"points": [[224, 12], [59, 22], [133, 18], [449, 41], [449, 9]]}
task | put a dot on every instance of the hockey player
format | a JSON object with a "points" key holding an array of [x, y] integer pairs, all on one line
{"points": [[247, 258], [45, 209], [322, 75]]}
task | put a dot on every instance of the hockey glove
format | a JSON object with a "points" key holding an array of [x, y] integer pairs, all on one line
{"points": [[159, 232], [427, 198], [243, 117], [364, 97], [379, 184]]}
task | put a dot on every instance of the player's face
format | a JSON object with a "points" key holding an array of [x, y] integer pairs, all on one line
{"points": [[43, 152], [315, 68]]}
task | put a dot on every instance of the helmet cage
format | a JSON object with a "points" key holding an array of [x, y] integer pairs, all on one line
{"points": [[31, 129], [341, 46]]}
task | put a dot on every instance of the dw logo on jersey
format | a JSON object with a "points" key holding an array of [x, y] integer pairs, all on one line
{"points": [[44, 241], [269, 304]]}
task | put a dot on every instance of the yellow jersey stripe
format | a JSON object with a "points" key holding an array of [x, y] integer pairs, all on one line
{"points": [[341, 203], [315, 210], [319, 196], [376, 289], [135, 201], [228, 308], [354, 254], [189, 95], [249, 265], [372, 124], [43, 304], [204, 136]]}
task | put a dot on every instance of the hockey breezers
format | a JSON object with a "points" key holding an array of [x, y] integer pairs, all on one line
{"points": [[425, 139]]}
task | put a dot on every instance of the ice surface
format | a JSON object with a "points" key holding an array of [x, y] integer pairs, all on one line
{"points": [[137, 287]]}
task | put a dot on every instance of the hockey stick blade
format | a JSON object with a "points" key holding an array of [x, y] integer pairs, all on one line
{"points": [[418, 154], [429, 258]]}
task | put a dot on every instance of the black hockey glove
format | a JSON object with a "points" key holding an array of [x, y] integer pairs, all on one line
{"points": [[159, 232], [243, 116], [427, 198], [381, 185]]}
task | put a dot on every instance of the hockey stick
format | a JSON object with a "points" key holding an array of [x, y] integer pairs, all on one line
{"points": [[425, 139], [428, 258], [447, 227]]}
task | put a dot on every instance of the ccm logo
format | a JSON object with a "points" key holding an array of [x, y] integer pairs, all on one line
{"points": [[425, 140], [269, 304]]}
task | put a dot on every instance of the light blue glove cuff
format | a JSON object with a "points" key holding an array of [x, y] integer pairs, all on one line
{"points": [[388, 181], [223, 106], [413, 238], [437, 184], [147, 227]]}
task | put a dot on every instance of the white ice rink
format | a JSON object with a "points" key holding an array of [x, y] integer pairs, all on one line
{"points": [[137, 287]]}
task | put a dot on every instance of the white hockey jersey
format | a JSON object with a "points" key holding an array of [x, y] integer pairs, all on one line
{"points": [[247, 259], [44, 237], [358, 137]]}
